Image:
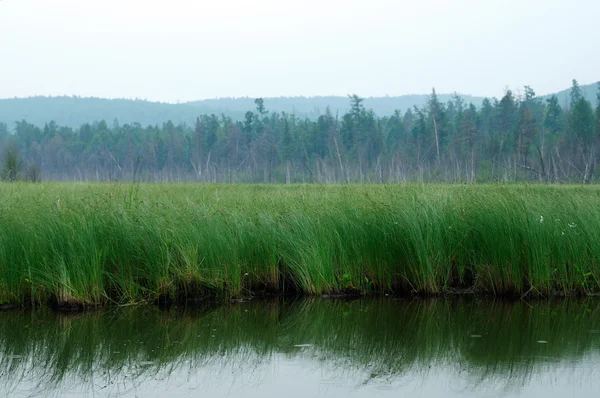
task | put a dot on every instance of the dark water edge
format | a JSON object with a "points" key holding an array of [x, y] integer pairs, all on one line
{"points": [[458, 346]]}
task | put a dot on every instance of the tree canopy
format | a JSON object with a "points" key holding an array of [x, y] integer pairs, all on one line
{"points": [[519, 137]]}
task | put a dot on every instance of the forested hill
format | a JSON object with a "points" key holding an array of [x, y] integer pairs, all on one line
{"points": [[588, 91], [519, 137], [313, 107], [75, 111]]}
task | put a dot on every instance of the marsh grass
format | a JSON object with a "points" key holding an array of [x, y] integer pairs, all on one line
{"points": [[92, 244]]}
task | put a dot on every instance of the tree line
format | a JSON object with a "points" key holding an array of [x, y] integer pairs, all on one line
{"points": [[519, 137]]}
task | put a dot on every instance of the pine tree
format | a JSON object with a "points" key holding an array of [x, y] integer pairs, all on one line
{"points": [[506, 120], [575, 94], [470, 137], [581, 123], [436, 114]]}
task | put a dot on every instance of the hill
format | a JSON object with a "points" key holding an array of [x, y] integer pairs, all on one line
{"points": [[589, 92], [74, 111]]}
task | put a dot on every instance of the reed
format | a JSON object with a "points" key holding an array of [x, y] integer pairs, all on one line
{"points": [[89, 244]]}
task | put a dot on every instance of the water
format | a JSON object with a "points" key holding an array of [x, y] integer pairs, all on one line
{"points": [[308, 348]]}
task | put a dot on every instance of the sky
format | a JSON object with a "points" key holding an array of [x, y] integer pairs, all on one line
{"points": [[183, 50]]}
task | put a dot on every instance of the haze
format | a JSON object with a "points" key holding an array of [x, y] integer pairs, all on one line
{"points": [[179, 50]]}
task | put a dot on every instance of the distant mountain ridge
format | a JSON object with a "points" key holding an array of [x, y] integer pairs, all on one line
{"points": [[75, 111], [589, 92]]}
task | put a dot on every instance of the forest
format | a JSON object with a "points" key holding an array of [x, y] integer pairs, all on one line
{"points": [[520, 137]]}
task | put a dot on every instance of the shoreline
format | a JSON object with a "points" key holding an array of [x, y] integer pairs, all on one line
{"points": [[94, 244]]}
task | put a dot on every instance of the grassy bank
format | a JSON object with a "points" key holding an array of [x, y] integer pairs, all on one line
{"points": [[91, 244]]}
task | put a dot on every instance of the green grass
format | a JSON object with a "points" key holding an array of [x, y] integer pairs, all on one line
{"points": [[98, 243]]}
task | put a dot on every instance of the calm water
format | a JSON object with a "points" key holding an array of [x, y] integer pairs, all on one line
{"points": [[309, 348]]}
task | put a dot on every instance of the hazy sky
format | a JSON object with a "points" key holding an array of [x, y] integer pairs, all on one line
{"points": [[180, 50]]}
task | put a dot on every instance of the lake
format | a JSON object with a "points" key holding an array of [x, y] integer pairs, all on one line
{"points": [[384, 347]]}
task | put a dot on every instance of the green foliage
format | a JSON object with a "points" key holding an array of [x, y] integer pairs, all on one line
{"points": [[92, 244], [554, 120], [12, 165], [575, 94], [443, 139], [582, 122]]}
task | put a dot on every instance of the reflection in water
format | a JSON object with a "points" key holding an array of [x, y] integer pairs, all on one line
{"points": [[446, 347]]}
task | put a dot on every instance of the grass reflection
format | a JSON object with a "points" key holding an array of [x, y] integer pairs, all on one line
{"points": [[486, 341]]}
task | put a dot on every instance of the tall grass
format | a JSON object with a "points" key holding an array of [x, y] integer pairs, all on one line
{"points": [[91, 244]]}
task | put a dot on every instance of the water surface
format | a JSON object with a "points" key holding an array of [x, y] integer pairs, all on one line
{"points": [[307, 348]]}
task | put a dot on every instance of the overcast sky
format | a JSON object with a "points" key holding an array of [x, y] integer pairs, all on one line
{"points": [[181, 50]]}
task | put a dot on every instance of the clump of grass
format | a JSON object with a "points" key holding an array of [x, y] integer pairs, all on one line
{"points": [[91, 244]]}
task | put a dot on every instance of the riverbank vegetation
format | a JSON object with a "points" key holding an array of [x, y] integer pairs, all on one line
{"points": [[82, 245]]}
